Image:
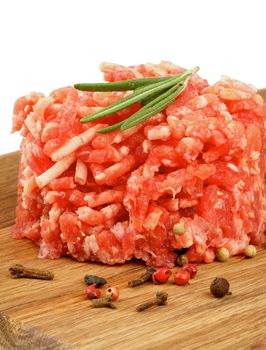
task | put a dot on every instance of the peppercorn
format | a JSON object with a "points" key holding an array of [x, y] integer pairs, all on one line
{"points": [[250, 251], [161, 276], [191, 269], [91, 279], [181, 278], [112, 292], [182, 260], [220, 287], [92, 292], [222, 254], [179, 229]]}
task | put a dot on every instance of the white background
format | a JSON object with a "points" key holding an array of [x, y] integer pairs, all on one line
{"points": [[48, 44]]}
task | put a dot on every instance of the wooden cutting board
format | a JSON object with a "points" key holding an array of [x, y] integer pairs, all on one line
{"points": [[192, 319]]}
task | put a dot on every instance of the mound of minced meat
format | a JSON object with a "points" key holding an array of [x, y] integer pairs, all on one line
{"points": [[112, 197]]}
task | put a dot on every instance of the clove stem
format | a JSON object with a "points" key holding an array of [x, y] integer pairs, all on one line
{"points": [[143, 278], [161, 299], [20, 271], [103, 302]]}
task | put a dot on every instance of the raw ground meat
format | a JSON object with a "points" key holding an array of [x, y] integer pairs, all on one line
{"points": [[111, 197]]}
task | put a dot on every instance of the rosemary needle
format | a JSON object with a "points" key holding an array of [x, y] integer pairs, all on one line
{"points": [[123, 85], [155, 94]]}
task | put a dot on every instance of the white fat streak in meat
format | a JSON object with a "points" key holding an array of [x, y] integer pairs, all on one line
{"points": [[233, 167], [118, 230], [100, 176], [47, 128], [158, 133], [186, 203], [52, 196], [75, 143], [33, 119], [90, 245], [81, 172], [146, 146], [31, 125], [29, 185], [202, 101], [219, 204], [152, 219], [54, 213], [139, 236], [56, 170], [84, 213], [254, 155], [124, 150], [111, 210], [123, 135], [114, 250], [27, 172], [226, 115]]}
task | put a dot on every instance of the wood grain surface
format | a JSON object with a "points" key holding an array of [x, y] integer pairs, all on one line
{"points": [[14, 335], [192, 319], [8, 187]]}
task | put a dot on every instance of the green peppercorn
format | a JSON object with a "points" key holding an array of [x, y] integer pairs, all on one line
{"points": [[182, 260], [222, 254], [250, 251], [179, 229]]}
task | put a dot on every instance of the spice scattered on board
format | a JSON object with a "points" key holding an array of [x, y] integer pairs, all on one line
{"points": [[222, 254], [161, 299], [191, 269], [92, 279], [220, 287], [92, 292], [181, 278], [182, 260], [146, 277], [250, 251], [113, 293], [103, 302], [20, 271], [161, 275]]}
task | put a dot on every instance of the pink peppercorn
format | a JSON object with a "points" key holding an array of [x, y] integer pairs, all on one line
{"points": [[181, 278], [161, 276], [191, 269], [113, 292], [92, 292]]}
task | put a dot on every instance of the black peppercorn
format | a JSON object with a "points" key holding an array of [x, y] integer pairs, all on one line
{"points": [[91, 279], [220, 287]]}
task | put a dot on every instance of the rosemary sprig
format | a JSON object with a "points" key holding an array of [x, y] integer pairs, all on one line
{"points": [[137, 96], [155, 94], [153, 107], [146, 110]]}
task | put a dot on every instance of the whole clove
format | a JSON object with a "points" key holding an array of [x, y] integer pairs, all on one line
{"points": [[92, 279], [146, 277], [161, 299], [103, 302], [220, 287], [20, 271]]}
